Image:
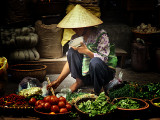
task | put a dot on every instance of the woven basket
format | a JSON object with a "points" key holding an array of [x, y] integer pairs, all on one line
{"points": [[20, 71]]}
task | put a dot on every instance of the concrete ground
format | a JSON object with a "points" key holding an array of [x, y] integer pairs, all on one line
{"points": [[128, 75], [10, 86]]}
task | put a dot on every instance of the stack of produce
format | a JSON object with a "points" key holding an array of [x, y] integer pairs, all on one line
{"points": [[146, 29], [147, 91], [51, 104], [13, 100], [99, 106], [22, 41]]}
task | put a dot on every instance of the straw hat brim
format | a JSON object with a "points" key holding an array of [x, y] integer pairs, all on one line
{"points": [[79, 17]]}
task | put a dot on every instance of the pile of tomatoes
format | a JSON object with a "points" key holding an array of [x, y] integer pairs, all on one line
{"points": [[51, 104], [12, 100]]}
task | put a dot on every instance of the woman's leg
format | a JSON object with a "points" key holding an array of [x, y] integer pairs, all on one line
{"points": [[100, 74], [75, 64]]}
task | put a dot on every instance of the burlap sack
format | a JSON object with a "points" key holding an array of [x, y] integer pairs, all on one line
{"points": [[49, 44]]}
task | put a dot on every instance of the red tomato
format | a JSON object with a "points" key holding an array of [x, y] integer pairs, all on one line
{"points": [[47, 106], [61, 104], [32, 101], [47, 99], [55, 108], [42, 103], [38, 102], [63, 110], [39, 107], [68, 106], [54, 100], [62, 99]]}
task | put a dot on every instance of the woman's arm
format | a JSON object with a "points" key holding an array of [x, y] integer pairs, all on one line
{"points": [[65, 72]]}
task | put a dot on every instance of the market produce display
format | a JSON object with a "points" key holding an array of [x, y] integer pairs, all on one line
{"points": [[146, 28], [30, 91], [73, 97], [14, 101], [99, 106], [145, 91], [52, 105], [128, 104]]}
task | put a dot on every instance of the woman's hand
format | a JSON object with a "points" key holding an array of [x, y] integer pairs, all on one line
{"points": [[54, 84], [84, 50]]}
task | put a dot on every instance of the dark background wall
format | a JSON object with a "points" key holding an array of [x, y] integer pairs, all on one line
{"points": [[119, 16]]}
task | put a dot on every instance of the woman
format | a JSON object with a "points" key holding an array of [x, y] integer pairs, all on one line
{"points": [[88, 63]]}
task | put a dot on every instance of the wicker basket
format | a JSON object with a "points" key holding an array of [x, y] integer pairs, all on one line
{"points": [[20, 71]]}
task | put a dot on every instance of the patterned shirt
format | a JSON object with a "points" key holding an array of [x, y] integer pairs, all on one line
{"points": [[103, 48]]}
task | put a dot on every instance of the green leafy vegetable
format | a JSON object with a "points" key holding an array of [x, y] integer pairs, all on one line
{"points": [[128, 104], [146, 91], [99, 106]]}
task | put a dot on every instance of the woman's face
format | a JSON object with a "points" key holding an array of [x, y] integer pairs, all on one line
{"points": [[79, 31]]}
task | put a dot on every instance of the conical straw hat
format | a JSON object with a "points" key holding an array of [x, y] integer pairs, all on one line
{"points": [[79, 17]]}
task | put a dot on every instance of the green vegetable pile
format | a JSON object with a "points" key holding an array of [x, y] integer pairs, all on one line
{"points": [[146, 91], [128, 104], [99, 106]]}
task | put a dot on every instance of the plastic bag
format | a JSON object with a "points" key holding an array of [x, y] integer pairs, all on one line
{"points": [[116, 81], [45, 92], [29, 82]]}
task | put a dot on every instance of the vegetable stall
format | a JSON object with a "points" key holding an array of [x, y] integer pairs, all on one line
{"points": [[79, 105]]}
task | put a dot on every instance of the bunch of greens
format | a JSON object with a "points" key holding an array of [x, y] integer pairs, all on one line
{"points": [[99, 106], [126, 90], [128, 104], [146, 91]]}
